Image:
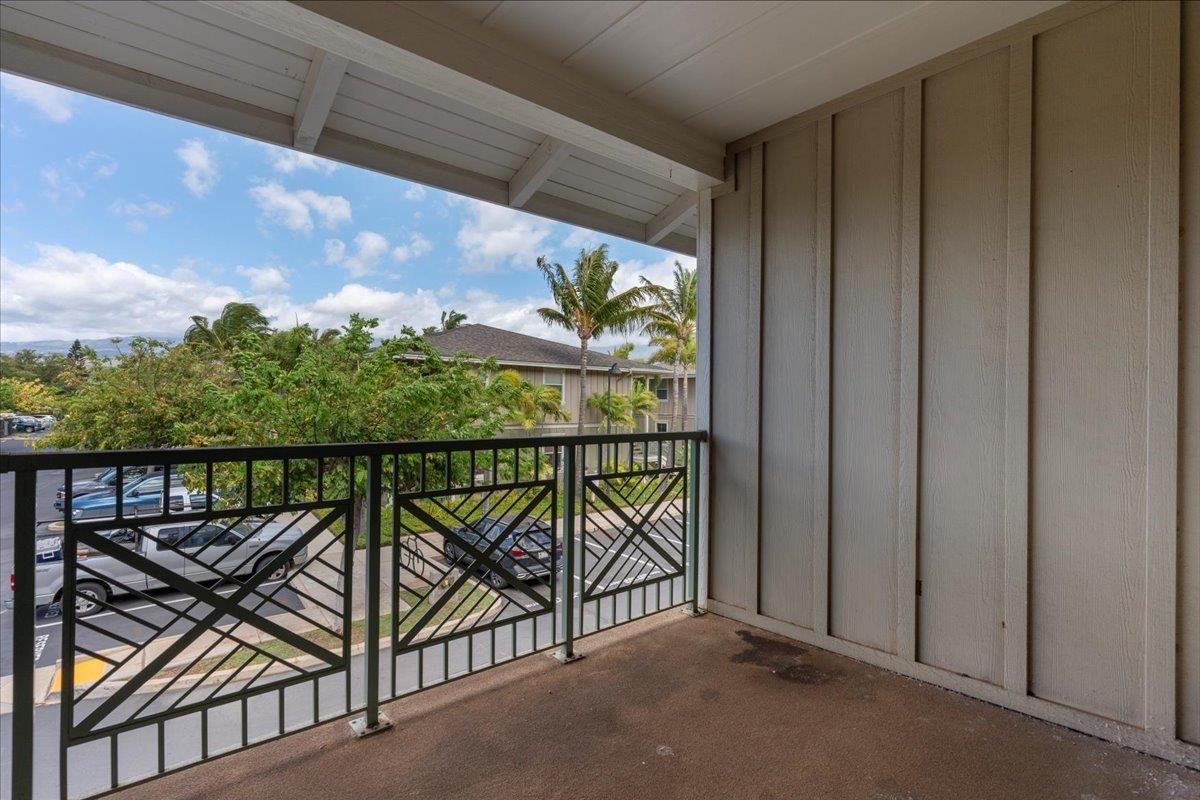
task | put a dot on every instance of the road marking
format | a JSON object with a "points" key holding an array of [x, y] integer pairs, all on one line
{"points": [[39, 644], [223, 593], [87, 670]]}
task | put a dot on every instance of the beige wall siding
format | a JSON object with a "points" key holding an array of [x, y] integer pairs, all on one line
{"points": [[1088, 379], [733, 430], [788, 395], [963, 294], [865, 393], [1189, 477], [952, 302]]}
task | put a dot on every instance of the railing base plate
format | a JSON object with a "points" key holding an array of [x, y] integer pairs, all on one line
{"points": [[689, 612], [563, 658], [360, 730]]}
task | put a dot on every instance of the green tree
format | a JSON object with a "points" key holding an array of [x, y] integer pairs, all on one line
{"points": [[236, 320], [623, 350], [672, 330], [451, 319], [28, 396], [534, 403], [588, 305]]}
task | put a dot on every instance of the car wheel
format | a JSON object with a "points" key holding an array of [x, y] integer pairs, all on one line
{"points": [[452, 554], [88, 597], [278, 574], [496, 580]]}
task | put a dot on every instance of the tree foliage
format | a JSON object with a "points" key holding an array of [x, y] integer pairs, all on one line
{"points": [[587, 303], [27, 396], [671, 326]]}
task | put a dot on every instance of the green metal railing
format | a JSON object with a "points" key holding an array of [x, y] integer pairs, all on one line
{"points": [[281, 588]]}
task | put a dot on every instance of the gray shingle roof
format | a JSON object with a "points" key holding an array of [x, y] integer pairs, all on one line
{"points": [[508, 347]]}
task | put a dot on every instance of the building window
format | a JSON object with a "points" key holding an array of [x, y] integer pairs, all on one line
{"points": [[553, 377], [663, 393], [661, 427]]}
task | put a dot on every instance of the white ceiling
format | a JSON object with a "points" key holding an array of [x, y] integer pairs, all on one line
{"points": [[729, 69], [636, 84]]}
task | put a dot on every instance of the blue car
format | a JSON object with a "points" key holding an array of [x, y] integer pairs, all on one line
{"points": [[141, 496]]}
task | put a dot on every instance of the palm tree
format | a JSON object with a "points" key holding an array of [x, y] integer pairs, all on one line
{"points": [[672, 330], [534, 403], [236, 320], [588, 306], [452, 319]]}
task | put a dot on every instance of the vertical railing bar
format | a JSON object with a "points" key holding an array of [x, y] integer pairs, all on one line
{"points": [[350, 546], [420, 668], [492, 631], [371, 720], [24, 620], [119, 511], [114, 758], [245, 722], [421, 472], [316, 700], [395, 598], [287, 465], [471, 466], [162, 747], [164, 500], [67, 651], [249, 484], [693, 528], [204, 734], [208, 486], [567, 651], [320, 480], [445, 660], [516, 464], [449, 462], [281, 714]]}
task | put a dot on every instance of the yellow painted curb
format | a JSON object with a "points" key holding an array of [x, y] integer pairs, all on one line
{"points": [[87, 670]]}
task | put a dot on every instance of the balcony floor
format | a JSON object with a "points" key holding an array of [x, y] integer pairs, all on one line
{"points": [[689, 708]]}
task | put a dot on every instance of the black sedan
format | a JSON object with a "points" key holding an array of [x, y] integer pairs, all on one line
{"points": [[528, 551]]}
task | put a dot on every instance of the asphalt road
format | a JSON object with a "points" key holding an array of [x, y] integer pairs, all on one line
{"points": [[48, 633]]}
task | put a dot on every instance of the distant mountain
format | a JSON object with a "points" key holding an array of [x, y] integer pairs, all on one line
{"points": [[103, 347]]}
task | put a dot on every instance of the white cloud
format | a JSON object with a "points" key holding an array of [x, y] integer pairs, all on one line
{"points": [[60, 185], [630, 272], [295, 210], [581, 238], [288, 161], [264, 279], [335, 251], [416, 247], [99, 165], [415, 191], [14, 207], [138, 213], [369, 248], [494, 237], [55, 104], [200, 174], [64, 294]]}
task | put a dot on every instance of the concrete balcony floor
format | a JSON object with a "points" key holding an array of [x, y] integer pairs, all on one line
{"points": [[674, 707]]}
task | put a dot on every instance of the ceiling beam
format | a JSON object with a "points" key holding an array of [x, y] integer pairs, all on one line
{"points": [[320, 87], [549, 155], [671, 217], [49, 63], [442, 51]]}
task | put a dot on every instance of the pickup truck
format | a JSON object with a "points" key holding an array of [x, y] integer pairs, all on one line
{"points": [[192, 550], [104, 482], [142, 496]]}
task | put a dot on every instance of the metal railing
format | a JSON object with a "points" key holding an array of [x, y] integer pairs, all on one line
{"points": [[288, 586]]}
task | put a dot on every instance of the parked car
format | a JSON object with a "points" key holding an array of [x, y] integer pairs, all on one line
{"points": [[143, 496], [525, 552], [195, 551], [104, 482], [25, 425]]}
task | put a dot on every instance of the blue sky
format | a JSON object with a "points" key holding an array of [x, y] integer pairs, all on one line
{"points": [[116, 222]]}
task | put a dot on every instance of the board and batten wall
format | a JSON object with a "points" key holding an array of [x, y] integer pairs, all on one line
{"points": [[955, 373]]}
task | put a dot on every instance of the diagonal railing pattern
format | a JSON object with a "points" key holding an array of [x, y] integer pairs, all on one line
{"points": [[283, 587]]}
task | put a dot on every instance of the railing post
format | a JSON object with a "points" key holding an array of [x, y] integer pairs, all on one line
{"points": [[372, 720], [692, 567], [566, 653], [24, 554]]}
